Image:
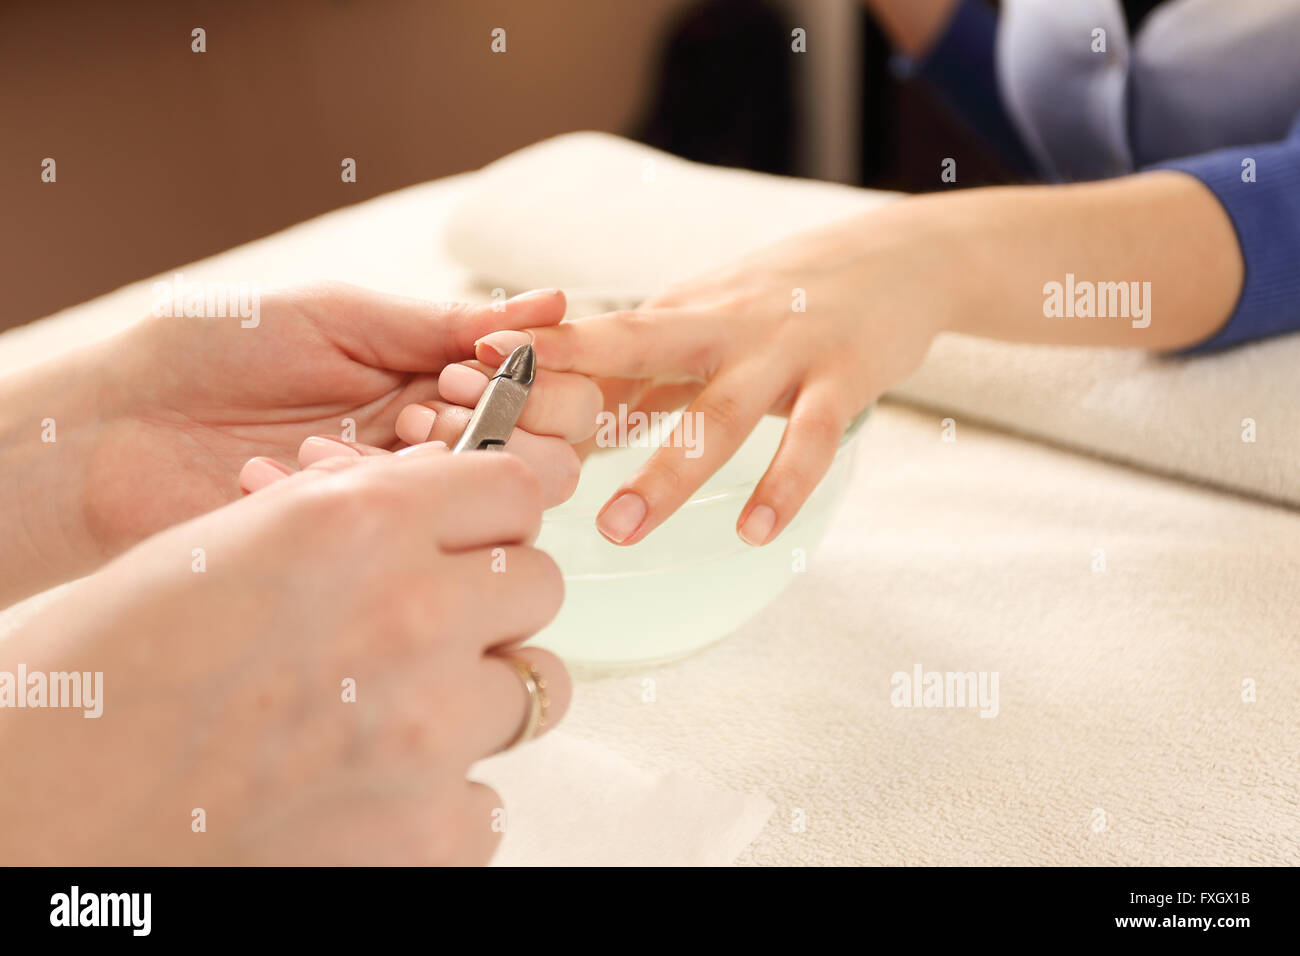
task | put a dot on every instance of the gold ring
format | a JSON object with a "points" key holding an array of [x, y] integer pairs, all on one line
{"points": [[538, 702]]}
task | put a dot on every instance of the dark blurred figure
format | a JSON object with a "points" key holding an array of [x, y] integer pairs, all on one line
{"points": [[726, 94], [725, 91]]}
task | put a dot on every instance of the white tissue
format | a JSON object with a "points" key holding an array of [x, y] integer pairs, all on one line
{"points": [[570, 802]]}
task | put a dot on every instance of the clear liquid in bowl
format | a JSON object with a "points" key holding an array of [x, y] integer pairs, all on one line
{"points": [[692, 581]]}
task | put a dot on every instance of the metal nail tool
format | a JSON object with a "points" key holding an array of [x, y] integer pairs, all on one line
{"points": [[503, 400]]}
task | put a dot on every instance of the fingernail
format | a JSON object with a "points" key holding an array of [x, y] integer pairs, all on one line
{"points": [[257, 473], [318, 448], [621, 517], [533, 294], [457, 380], [423, 448], [758, 525], [501, 343], [415, 423]]}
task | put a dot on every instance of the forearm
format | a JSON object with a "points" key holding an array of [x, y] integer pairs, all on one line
{"points": [[1153, 258], [49, 418]]}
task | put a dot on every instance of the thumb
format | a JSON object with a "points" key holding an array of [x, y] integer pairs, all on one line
{"points": [[414, 335]]}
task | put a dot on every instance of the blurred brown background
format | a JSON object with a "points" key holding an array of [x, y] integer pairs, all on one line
{"points": [[165, 156]]}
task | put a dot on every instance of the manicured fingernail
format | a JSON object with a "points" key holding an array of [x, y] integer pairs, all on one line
{"points": [[257, 473], [500, 344], [461, 384], [423, 448], [533, 294], [318, 448], [415, 423], [621, 517], [758, 526]]}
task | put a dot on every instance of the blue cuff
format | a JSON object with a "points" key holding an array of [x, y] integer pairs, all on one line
{"points": [[961, 68], [1266, 216]]}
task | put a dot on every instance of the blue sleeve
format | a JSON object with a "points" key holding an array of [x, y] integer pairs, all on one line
{"points": [[960, 67], [1265, 212]]}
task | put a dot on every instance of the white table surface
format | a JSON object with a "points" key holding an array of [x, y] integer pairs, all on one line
{"points": [[1120, 692]]}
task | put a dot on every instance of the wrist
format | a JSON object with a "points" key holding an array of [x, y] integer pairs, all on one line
{"points": [[51, 416], [928, 249]]}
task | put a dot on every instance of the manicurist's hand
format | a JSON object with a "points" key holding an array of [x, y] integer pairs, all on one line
{"points": [[300, 677], [110, 444]]}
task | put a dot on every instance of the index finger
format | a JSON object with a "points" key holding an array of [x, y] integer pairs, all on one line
{"points": [[563, 404], [629, 344], [726, 411]]}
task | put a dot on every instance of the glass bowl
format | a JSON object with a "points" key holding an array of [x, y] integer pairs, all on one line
{"points": [[691, 581]]}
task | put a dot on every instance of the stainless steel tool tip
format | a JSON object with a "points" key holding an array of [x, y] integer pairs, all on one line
{"points": [[520, 366]]}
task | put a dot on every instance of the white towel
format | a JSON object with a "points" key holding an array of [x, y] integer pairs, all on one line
{"points": [[1125, 734]]}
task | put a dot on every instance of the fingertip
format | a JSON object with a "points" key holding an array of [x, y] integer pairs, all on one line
{"points": [[461, 384], [756, 527], [259, 472], [544, 306], [493, 348], [423, 448], [319, 447], [415, 423], [621, 518]]}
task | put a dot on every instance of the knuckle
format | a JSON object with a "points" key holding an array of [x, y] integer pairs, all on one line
{"points": [[824, 428], [722, 410], [521, 481], [348, 510], [374, 508], [418, 595], [555, 345], [451, 312], [569, 471], [549, 584], [700, 362], [630, 322], [591, 404], [317, 504], [788, 486], [668, 475]]}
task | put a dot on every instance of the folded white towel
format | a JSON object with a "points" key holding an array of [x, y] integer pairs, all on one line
{"points": [[596, 214], [614, 221]]}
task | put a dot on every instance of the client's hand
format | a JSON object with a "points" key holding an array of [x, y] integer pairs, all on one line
{"points": [[309, 688], [814, 328], [154, 425], [819, 326]]}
